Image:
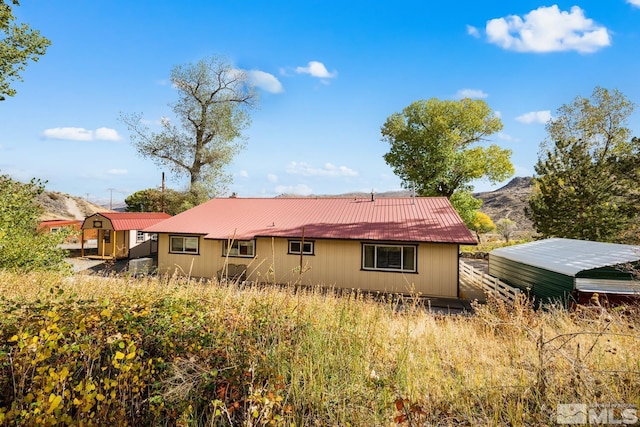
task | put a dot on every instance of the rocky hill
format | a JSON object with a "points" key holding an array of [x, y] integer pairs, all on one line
{"points": [[63, 206], [509, 202]]}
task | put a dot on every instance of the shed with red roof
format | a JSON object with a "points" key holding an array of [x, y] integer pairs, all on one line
{"points": [[400, 245], [120, 234]]}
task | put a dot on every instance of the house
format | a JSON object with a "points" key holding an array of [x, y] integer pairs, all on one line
{"points": [[56, 225], [569, 270], [120, 235], [398, 245]]}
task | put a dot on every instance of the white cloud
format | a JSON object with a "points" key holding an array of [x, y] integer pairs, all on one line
{"points": [[329, 170], [548, 29], [635, 3], [272, 177], [117, 171], [265, 81], [506, 137], [473, 31], [299, 189], [106, 134], [498, 114], [471, 93], [316, 69], [535, 117], [82, 134], [243, 174]]}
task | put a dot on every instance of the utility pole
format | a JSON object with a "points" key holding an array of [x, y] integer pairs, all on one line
{"points": [[162, 195], [111, 198]]}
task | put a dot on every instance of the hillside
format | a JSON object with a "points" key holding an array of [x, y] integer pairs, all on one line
{"points": [[509, 202], [63, 206]]}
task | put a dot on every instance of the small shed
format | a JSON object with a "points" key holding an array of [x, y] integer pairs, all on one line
{"points": [[56, 225], [120, 234], [569, 270]]}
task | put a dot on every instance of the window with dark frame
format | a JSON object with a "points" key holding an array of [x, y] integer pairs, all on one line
{"points": [[384, 257], [239, 248], [107, 236], [295, 247], [184, 244]]}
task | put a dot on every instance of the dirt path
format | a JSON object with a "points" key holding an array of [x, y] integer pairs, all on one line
{"points": [[73, 209]]}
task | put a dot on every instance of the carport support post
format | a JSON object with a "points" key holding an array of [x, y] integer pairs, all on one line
{"points": [[115, 241], [82, 244]]}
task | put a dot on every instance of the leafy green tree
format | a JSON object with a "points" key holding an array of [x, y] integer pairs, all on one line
{"points": [[588, 172], [152, 200], [435, 148], [22, 247], [211, 112], [18, 45], [482, 224], [466, 205]]}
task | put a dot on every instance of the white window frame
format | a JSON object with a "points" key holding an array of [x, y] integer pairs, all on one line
{"points": [[186, 248], [310, 244], [377, 261], [239, 246], [140, 236]]}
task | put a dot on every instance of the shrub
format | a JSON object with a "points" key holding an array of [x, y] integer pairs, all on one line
{"points": [[22, 247]]}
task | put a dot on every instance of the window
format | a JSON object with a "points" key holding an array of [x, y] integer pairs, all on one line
{"points": [[239, 248], [389, 257], [55, 229], [140, 237], [107, 236], [183, 244], [296, 245]]}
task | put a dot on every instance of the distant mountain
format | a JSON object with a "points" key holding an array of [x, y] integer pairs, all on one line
{"points": [[63, 206], [509, 202]]}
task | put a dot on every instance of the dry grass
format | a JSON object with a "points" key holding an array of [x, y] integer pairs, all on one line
{"points": [[314, 357]]}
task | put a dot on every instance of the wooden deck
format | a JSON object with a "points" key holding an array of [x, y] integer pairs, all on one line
{"points": [[102, 257]]}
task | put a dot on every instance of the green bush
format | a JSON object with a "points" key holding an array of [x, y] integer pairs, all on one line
{"points": [[22, 247]]}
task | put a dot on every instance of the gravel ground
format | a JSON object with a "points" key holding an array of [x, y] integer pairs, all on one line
{"points": [[98, 266], [81, 264]]}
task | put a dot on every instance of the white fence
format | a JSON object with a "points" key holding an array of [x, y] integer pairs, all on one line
{"points": [[489, 284]]}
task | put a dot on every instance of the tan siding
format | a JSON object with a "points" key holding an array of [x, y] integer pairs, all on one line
{"points": [[334, 263], [201, 265]]}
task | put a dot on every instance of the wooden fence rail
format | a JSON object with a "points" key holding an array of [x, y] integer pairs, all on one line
{"points": [[489, 284]]}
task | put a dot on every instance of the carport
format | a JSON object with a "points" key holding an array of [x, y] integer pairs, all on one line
{"points": [[569, 270]]}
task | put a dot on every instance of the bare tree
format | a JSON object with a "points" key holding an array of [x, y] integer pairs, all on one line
{"points": [[506, 228], [211, 112]]}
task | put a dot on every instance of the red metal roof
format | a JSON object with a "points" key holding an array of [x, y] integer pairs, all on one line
{"points": [[132, 220], [59, 222], [420, 219]]}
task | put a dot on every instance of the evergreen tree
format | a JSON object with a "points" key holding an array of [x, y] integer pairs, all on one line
{"points": [[586, 181]]}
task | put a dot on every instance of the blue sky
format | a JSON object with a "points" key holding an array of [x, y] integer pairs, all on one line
{"points": [[329, 73]]}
